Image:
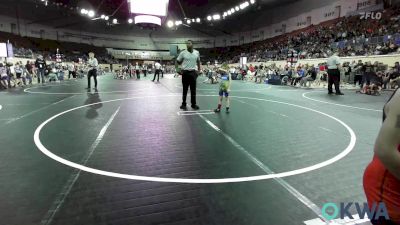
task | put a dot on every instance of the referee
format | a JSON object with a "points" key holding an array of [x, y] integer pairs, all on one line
{"points": [[334, 74], [190, 63], [93, 64]]}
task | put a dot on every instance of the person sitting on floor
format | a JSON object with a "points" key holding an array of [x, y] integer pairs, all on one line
{"points": [[3, 76]]}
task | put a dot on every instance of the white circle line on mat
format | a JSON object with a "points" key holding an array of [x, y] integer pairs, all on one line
{"points": [[27, 90], [328, 162], [331, 103], [240, 90]]}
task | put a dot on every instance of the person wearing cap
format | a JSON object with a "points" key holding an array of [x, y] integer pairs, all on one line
{"points": [[92, 64], [334, 64]]}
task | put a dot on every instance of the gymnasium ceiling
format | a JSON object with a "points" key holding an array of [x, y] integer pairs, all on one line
{"points": [[64, 14]]}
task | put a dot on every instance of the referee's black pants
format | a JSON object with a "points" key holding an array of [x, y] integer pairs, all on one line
{"points": [[333, 79], [138, 74], [92, 73], [189, 80], [157, 73]]}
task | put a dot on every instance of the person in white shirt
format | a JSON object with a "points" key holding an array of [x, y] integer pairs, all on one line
{"points": [[190, 61], [18, 73], [144, 70], [127, 70], [92, 72], [3, 76], [334, 63], [71, 71], [137, 69], [157, 67], [232, 71]]}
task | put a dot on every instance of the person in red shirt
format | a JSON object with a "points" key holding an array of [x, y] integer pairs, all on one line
{"points": [[322, 68], [252, 69], [382, 176]]}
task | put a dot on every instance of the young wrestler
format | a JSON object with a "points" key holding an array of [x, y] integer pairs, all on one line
{"points": [[382, 176], [224, 88]]}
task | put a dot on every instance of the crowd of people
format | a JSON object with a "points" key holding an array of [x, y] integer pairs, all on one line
{"points": [[131, 71], [40, 71], [350, 36], [68, 56], [29, 48], [369, 77]]}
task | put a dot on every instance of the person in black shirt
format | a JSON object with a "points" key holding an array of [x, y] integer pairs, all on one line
{"points": [[393, 76], [394, 80], [29, 72], [40, 65], [358, 73], [368, 70], [397, 67], [376, 83], [311, 76], [347, 71]]}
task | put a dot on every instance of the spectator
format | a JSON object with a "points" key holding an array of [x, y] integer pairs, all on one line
{"points": [[28, 73], [233, 73], [310, 77], [347, 72], [18, 73], [40, 65], [368, 71], [3, 76], [358, 75]]}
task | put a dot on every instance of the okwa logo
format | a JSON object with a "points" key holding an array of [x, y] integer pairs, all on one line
{"points": [[331, 211], [370, 15]]}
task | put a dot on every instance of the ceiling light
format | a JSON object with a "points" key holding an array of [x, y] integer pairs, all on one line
{"points": [[244, 5], [102, 16], [91, 13], [209, 18], [216, 17], [83, 11], [252, 1], [237, 8], [147, 19], [198, 20], [193, 20], [115, 21], [188, 21], [232, 10], [170, 23], [130, 21], [225, 14], [147, 7], [106, 18]]}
